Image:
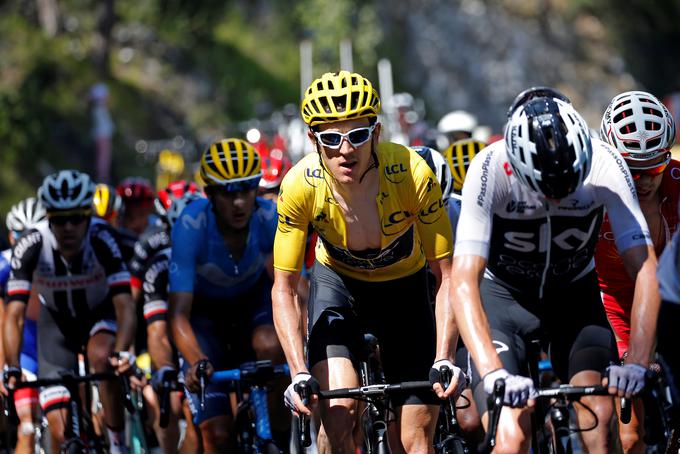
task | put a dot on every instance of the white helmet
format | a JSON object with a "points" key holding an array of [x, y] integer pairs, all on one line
{"points": [[548, 146], [458, 120], [178, 205], [67, 190], [638, 125], [25, 215], [439, 166]]}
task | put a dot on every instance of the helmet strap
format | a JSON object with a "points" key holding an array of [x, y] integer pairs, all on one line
{"points": [[374, 163]]}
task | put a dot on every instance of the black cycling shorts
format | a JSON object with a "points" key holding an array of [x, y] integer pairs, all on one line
{"points": [[61, 338], [398, 312], [570, 322]]}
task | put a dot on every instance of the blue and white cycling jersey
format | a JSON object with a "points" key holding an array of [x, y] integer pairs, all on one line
{"points": [[201, 262]]}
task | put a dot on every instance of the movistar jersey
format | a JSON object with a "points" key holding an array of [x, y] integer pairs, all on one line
{"points": [[201, 262], [5, 269], [530, 243], [414, 223]]}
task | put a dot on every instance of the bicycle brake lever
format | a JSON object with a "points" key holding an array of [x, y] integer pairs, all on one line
{"points": [[304, 437], [201, 372]]}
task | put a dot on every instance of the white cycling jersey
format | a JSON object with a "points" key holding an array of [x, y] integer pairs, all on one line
{"points": [[531, 243]]}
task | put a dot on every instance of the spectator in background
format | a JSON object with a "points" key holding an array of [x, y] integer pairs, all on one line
{"points": [[102, 130], [454, 126]]}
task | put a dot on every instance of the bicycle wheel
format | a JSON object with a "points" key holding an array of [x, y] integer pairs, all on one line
{"points": [[270, 448]]}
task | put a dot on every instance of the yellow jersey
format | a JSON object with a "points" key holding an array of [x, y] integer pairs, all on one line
{"points": [[414, 222]]}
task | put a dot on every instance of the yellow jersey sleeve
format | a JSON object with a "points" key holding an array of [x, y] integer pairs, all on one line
{"points": [[434, 227], [291, 232]]}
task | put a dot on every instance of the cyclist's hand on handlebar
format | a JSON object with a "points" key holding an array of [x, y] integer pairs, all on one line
{"points": [[10, 377], [163, 376], [518, 390], [625, 381], [122, 362], [457, 384], [292, 398], [192, 378]]}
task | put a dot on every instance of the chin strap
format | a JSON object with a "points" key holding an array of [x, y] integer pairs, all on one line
{"points": [[374, 164]]}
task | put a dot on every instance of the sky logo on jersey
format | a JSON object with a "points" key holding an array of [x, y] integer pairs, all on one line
{"points": [[395, 173]]}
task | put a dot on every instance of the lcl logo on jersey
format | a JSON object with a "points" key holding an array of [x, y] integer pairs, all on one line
{"points": [[394, 219], [530, 241], [432, 213], [395, 172], [312, 176]]}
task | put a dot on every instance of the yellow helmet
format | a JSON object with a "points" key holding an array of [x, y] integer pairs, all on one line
{"points": [[106, 202], [232, 163], [339, 96], [459, 156]]}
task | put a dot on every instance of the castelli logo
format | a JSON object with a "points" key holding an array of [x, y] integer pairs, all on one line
{"points": [[508, 169]]}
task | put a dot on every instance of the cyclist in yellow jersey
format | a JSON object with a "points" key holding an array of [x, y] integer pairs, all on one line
{"points": [[379, 215]]}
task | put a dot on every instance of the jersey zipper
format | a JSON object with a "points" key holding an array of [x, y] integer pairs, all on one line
{"points": [[547, 254]]}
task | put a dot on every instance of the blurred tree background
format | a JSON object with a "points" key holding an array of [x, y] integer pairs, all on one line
{"points": [[200, 68]]}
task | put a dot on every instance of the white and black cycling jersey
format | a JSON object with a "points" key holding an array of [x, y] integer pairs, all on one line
{"points": [[93, 276], [155, 287], [531, 243]]}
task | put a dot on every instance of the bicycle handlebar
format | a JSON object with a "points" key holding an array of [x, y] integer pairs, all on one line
{"points": [[381, 390], [564, 392]]}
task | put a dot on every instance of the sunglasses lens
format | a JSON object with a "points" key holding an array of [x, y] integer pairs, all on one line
{"points": [[331, 139], [73, 219], [359, 136], [653, 172]]}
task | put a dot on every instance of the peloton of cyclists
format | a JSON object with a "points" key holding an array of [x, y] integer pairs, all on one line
{"points": [[74, 263]]}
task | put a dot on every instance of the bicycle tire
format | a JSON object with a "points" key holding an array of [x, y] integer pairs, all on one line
{"points": [[270, 448]]}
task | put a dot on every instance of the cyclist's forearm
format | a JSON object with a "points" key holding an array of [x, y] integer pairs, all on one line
{"points": [[12, 332], [2, 318], [125, 321], [160, 349], [185, 339], [644, 314], [447, 331], [288, 323], [471, 319]]}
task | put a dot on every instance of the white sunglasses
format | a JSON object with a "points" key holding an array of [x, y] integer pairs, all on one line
{"points": [[356, 137]]}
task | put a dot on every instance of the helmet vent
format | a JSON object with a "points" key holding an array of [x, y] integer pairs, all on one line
{"points": [[654, 142], [653, 125], [632, 144], [624, 114]]}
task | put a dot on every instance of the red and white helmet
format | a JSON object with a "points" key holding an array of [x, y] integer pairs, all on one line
{"points": [[173, 192], [275, 165], [638, 125]]}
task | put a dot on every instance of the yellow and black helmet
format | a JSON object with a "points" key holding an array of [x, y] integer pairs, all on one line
{"points": [[232, 163], [106, 202], [459, 155], [339, 96]]}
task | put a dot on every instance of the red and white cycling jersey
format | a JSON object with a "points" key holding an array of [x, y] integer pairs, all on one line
{"points": [[617, 287]]}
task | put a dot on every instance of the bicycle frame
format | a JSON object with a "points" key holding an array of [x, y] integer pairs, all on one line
{"points": [[76, 413], [254, 375]]}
